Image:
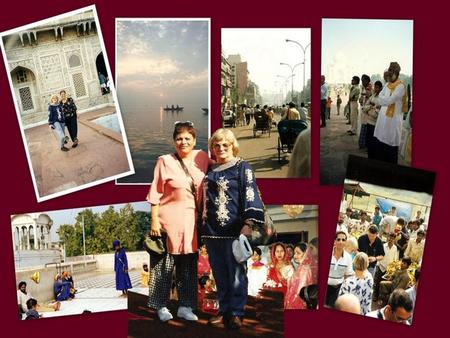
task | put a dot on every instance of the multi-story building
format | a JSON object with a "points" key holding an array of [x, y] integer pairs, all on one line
{"points": [[251, 95], [240, 76], [226, 84]]}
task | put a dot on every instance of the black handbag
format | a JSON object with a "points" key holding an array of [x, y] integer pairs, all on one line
{"points": [[156, 245]]}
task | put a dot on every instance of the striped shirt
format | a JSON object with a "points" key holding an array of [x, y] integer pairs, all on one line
{"points": [[340, 268]]}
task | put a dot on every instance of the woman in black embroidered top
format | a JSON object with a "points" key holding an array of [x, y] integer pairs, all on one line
{"points": [[70, 116]]}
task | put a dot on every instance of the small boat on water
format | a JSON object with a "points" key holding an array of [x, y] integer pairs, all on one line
{"points": [[173, 108], [205, 110]]}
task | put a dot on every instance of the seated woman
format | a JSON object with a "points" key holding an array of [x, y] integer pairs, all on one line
{"points": [[280, 269], [257, 273], [61, 289], [68, 277], [306, 274]]}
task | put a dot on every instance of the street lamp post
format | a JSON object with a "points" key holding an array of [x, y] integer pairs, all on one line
{"points": [[304, 56], [286, 78], [292, 75]]}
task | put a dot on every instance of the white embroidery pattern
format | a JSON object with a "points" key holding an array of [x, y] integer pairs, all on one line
{"points": [[250, 194], [222, 200], [249, 175]]}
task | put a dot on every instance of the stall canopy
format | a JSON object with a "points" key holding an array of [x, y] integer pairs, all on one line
{"points": [[404, 210], [354, 189]]}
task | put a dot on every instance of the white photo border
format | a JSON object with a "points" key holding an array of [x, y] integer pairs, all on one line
{"points": [[208, 20], [113, 91]]}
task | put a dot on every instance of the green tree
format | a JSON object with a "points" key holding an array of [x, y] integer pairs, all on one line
{"points": [[101, 229], [127, 230], [72, 239], [105, 231], [90, 220], [143, 221]]}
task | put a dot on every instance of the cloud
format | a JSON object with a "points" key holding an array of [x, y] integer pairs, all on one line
{"points": [[190, 80], [135, 65], [180, 80]]}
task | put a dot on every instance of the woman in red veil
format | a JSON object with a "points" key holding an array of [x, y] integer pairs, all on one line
{"points": [[280, 267]]}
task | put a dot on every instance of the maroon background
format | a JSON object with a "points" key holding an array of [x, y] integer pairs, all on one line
{"points": [[431, 122]]}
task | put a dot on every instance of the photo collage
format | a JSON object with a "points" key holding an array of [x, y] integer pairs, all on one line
{"points": [[203, 230]]}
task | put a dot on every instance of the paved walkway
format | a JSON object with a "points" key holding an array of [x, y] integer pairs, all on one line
{"points": [[99, 155], [261, 151], [96, 292], [336, 145]]}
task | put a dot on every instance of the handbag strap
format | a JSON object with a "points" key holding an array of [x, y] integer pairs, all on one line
{"points": [[241, 193], [190, 179]]}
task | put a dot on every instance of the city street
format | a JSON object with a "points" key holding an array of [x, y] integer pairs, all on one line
{"points": [[336, 145], [261, 151]]}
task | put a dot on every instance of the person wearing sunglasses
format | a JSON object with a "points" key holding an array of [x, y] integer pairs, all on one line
{"points": [[232, 206], [341, 267], [397, 310], [175, 197]]}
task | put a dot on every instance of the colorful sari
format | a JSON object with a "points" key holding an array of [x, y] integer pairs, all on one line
{"points": [[306, 274]]}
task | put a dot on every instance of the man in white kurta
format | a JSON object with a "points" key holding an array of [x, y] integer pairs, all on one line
{"points": [[390, 119], [355, 91]]}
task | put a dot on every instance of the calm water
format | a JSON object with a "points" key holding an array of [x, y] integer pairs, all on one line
{"points": [[149, 131]]}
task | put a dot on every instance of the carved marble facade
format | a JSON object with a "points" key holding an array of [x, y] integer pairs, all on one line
{"points": [[65, 55]]}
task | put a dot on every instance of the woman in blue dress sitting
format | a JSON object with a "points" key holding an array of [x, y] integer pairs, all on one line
{"points": [[61, 288]]}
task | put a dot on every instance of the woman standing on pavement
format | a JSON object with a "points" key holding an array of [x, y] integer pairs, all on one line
{"points": [[70, 116], [56, 120], [232, 205], [175, 197]]}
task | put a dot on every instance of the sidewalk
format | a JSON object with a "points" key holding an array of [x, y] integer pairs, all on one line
{"points": [[336, 145], [97, 293], [99, 155], [261, 151]]}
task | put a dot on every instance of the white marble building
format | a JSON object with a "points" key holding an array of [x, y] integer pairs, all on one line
{"points": [[62, 55], [31, 231], [32, 241]]}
